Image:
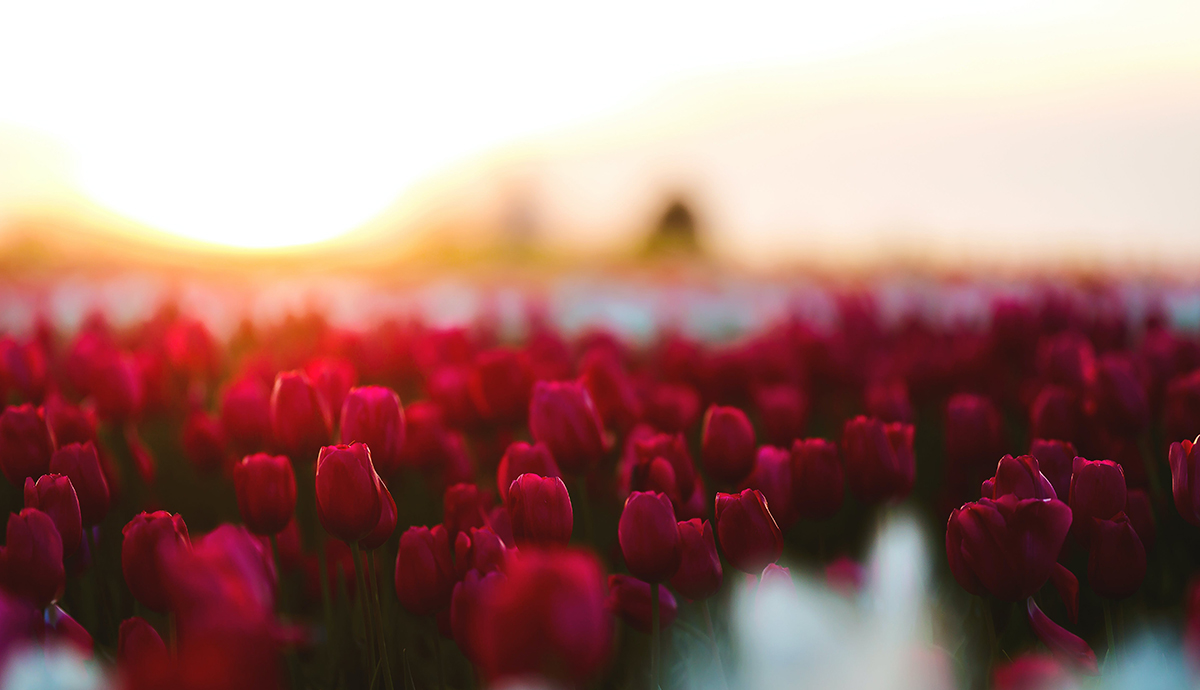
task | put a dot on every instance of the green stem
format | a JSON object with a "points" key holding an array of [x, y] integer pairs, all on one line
{"points": [[360, 603], [1108, 629], [654, 651], [323, 577], [993, 643], [712, 635], [437, 655], [373, 576]]}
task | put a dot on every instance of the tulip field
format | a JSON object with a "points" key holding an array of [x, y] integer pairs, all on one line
{"points": [[394, 503]]}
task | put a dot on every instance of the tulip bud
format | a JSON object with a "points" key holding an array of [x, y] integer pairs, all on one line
{"points": [[500, 385], [540, 510], [266, 492], [1020, 477], [348, 501], [649, 536], [25, 443], [23, 368], [1056, 461], [629, 598], [1097, 491], [424, 571], [562, 416], [333, 378], [117, 387], [1117, 562], [479, 549], [1006, 547], [1066, 646], [672, 407], [300, 419], [464, 506], [973, 440], [1067, 359], [69, 423], [246, 414], [611, 389], [746, 530], [372, 415], [888, 401], [699, 574], [772, 476], [150, 541], [387, 519], [204, 442], [1184, 459], [521, 458], [1117, 397], [54, 496], [727, 444], [817, 486], [465, 603], [1181, 407], [81, 465], [879, 459], [784, 412], [1056, 412], [139, 644], [31, 560]]}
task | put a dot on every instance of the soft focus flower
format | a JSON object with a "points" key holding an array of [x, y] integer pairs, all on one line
{"points": [[464, 506], [1185, 465], [672, 407], [879, 459], [1056, 412], [784, 412], [611, 389], [300, 417], [662, 463], [1032, 672], [500, 384], [151, 542], [246, 414], [25, 443], [479, 549], [888, 401], [973, 441], [845, 576], [62, 629], [727, 444], [1181, 409], [424, 570], [388, 515], [266, 492], [540, 510], [1067, 359], [81, 465], [747, 532], [1020, 477], [31, 560], [1097, 491], [772, 476], [424, 436], [204, 442], [53, 495], [116, 386], [468, 598], [1006, 547], [1117, 559], [521, 458], [1117, 397], [699, 574], [139, 643], [373, 415], [1067, 647], [348, 501], [69, 423], [629, 598], [562, 416], [1056, 461], [649, 536], [817, 483]]}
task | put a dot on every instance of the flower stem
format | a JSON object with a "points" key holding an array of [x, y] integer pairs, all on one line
{"points": [[373, 584], [1108, 630], [437, 654], [654, 651], [712, 635], [993, 642], [360, 599]]}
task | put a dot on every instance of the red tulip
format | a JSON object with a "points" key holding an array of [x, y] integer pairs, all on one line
{"points": [[1067, 359], [547, 618], [372, 415], [382, 531], [204, 442], [81, 465], [150, 541], [1117, 562], [139, 644], [348, 501], [672, 407], [521, 458], [54, 496], [1065, 646], [1056, 462], [333, 378], [1117, 397], [973, 441], [772, 476], [31, 560], [425, 436], [562, 416], [1067, 586], [663, 464], [1031, 671], [1141, 516], [727, 444], [1097, 491], [784, 412], [1006, 547], [747, 532], [424, 570], [540, 510], [117, 387], [1020, 477], [479, 549], [611, 389], [817, 485], [266, 492], [25, 443], [888, 401], [464, 506], [465, 603], [246, 414], [879, 459], [69, 423], [629, 598], [500, 385], [62, 629], [649, 536], [1056, 412], [1181, 408], [300, 421], [1185, 465], [699, 574], [23, 368], [450, 387]]}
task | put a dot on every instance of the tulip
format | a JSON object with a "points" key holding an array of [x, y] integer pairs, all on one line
{"points": [[649, 536], [547, 618], [562, 416], [973, 440], [1117, 397], [1117, 562], [1097, 491], [662, 463], [425, 436], [817, 485], [117, 387], [1007, 546], [31, 565], [772, 476], [139, 644], [1031, 672], [1065, 646], [246, 414], [629, 598], [348, 501], [25, 443], [727, 444], [844, 576], [521, 458], [204, 442], [81, 465], [300, 421], [1056, 412], [1067, 359], [266, 492], [23, 368], [746, 530], [465, 603], [672, 407], [143, 460], [424, 570], [888, 401], [540, 510], [464, 506], [500, 385], [611, 389], [65, 630], [1056, 462], [333, 378], [69, 423], [372, 415], [879, 459], [784, 412], [1181, 407], [1020, 477], [388, 515], [1067, 586], [450, 387], [151, 541], [1184, 457], [699, 574], [53, 495], [479, 549]]}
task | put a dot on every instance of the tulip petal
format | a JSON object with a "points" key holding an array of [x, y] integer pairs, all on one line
{"points": [[1068, 588], [1063, 643]]}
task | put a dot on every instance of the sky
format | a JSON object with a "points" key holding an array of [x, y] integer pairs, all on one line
{"points": [[800, 127]]}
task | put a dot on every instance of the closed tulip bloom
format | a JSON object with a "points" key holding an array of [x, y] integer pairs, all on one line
{"points": [[629, 598], [424, 570], [727, 444], [117, 387], [1067, 359], [500, 385], [772, 476], [81, 465], [31, 560], [973, 440], [480, 549], [649, 536], [611, 389], [333, 377], [562, 416], [266, 492], [1181, 406], [879, 459], [388, 515], [1066, 646], [888, 401], [140, 644], [1097, 490], [1117, 397], [699, 574], [784, 412], [1184, 459], [521, 458], [464, 506], [53, 495], [1006, 547], [300, 421], [747, 532], [204, 442], [546, 618], [150, 541], [1020, 477], [25, 443], [1117, 560], [69, 423], [1056, 461], [664, 464], [23, 368], [372, 415], [246, 414], [1056, 412], [817, 483], [540, 510], [672, 407], [465, 604], [424, 436], [1067, 586], [348, 501], [62, 629]]}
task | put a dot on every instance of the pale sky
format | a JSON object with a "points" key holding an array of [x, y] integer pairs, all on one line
{"points": [[812, 126]]}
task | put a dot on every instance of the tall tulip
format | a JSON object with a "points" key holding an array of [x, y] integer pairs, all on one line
{"points": [[424, 570], [300, 418], [649, 536], [266, 492], [53, 495], [373, 415], [562, 416], [817, 484], [879, 459], [1185, 465], [31, 560], [81, 464], [151, 540], [699, 574], [540, 510], [1117, 559], [747, 532], [348, 500], [25, 443], [521, 458], [727, 444]]}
